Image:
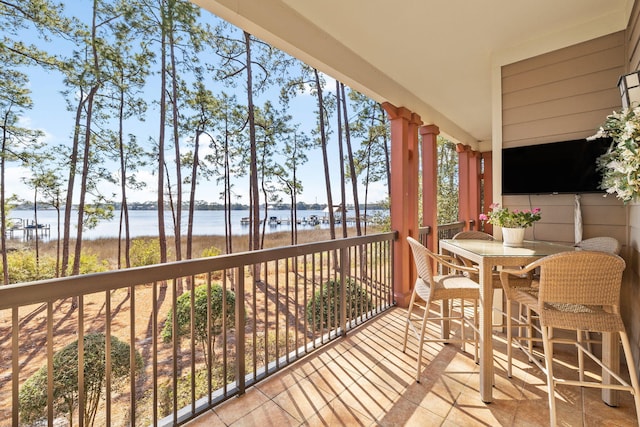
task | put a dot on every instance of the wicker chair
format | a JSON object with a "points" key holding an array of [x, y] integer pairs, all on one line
{"points": [[430, 288], [577, 291], [602, 244]]}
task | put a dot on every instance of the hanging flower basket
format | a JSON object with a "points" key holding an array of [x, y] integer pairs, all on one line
{"points": [[620, 165]]}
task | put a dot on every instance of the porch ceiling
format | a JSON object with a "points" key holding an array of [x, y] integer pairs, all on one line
{"points": [[434, 57]]}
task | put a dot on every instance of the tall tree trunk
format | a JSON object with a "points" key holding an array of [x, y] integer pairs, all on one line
{"points": [[162, 236], [343, 178], [385, 146], [192, 194], [227, 194], [325, 157], [3, 210], [254, 203], [73, 167], [124, 207], [176, 144], [352, 166], [35, 223], [83, 182]]}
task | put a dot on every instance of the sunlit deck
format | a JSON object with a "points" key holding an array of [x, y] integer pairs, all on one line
{"points": [[365, 379]]}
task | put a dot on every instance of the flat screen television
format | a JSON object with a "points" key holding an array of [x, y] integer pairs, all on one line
{"points": [[554, 168]]}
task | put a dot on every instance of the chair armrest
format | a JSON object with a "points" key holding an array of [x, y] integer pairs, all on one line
{"points": [[450, 262]]}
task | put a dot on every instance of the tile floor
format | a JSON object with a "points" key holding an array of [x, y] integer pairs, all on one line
{"points": [[366, 380]]}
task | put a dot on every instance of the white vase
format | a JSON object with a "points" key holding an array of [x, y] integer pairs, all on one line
{"points": [[513, 237]]}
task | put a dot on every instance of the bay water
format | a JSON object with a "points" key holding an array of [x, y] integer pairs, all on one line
{"points": [[145, 222]]}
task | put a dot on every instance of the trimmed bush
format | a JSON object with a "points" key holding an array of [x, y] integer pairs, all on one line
{"points": [[33, 394], [23, 266], [323, 310], [210, 251], [183, 317], [144, 252]]}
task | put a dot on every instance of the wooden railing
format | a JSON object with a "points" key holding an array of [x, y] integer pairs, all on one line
{"points": [[255, 313]]}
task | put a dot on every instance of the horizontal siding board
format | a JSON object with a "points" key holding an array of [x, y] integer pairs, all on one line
{"points": [[599, 44], [585, 103], [587, 122], [565, 70], [604, 215], [604, 81]]}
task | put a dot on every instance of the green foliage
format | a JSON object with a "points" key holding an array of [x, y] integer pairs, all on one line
{"points": [[210, 251], [323, 310], [24, 268], [144, 252], [33, 394], [89, 263], [381, 218], [447, 182], [183, 317]]}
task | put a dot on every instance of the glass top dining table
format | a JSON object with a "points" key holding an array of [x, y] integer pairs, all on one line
{"points": [[488, 254]]}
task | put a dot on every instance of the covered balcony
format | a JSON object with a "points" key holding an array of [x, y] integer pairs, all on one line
{"points": [[489, 76]]}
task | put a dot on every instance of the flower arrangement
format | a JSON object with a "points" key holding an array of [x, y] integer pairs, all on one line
{"points": [[503, 217], [620, 165]]}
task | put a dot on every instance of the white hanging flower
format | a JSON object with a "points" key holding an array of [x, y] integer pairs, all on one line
{"points": [[620, 165]]}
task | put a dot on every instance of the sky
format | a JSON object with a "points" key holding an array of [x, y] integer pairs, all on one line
{"points": [[50, 115]]}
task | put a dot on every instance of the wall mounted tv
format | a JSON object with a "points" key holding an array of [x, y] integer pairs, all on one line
{"points": [[558, 167]]}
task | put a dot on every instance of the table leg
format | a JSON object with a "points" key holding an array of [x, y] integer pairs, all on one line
{"points": [[610, 358], [486, 342]]}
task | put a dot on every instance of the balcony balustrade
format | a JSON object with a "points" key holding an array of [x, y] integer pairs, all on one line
{"points": [[240, 318]]}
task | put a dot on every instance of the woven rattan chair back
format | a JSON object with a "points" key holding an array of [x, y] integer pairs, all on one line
{"points": [[423, 259], [581, 277]]}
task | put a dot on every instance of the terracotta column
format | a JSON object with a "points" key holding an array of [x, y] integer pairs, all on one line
{"points": [[463, 184], [430, 183], [404, 205], [487, 185], [469, 175]]}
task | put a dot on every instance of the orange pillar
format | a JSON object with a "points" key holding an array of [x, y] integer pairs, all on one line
{"points": [[487, 186], [463, 184], [430, 182], [475, 177], [403, 203], [470, 176]]}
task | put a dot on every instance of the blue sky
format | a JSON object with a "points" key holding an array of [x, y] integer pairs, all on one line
{"points": [[51, 116]]}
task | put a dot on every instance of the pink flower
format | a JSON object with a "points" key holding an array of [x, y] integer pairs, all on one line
{"points": [[483, 217], [536, 210]]}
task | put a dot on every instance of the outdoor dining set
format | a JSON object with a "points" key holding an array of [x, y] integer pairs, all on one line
{"points": [[551, 294]]}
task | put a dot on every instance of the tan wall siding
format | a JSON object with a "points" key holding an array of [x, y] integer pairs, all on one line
{"points": [[601, 216], [566, 95], [562, 95], [633, 39], [631, 286]]}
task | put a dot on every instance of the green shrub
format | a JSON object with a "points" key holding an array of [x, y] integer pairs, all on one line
{"points": [[183, 318], [23, 268], [89, 263], [33, 394], [210, 251], [144, 252], [323, 310]]}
